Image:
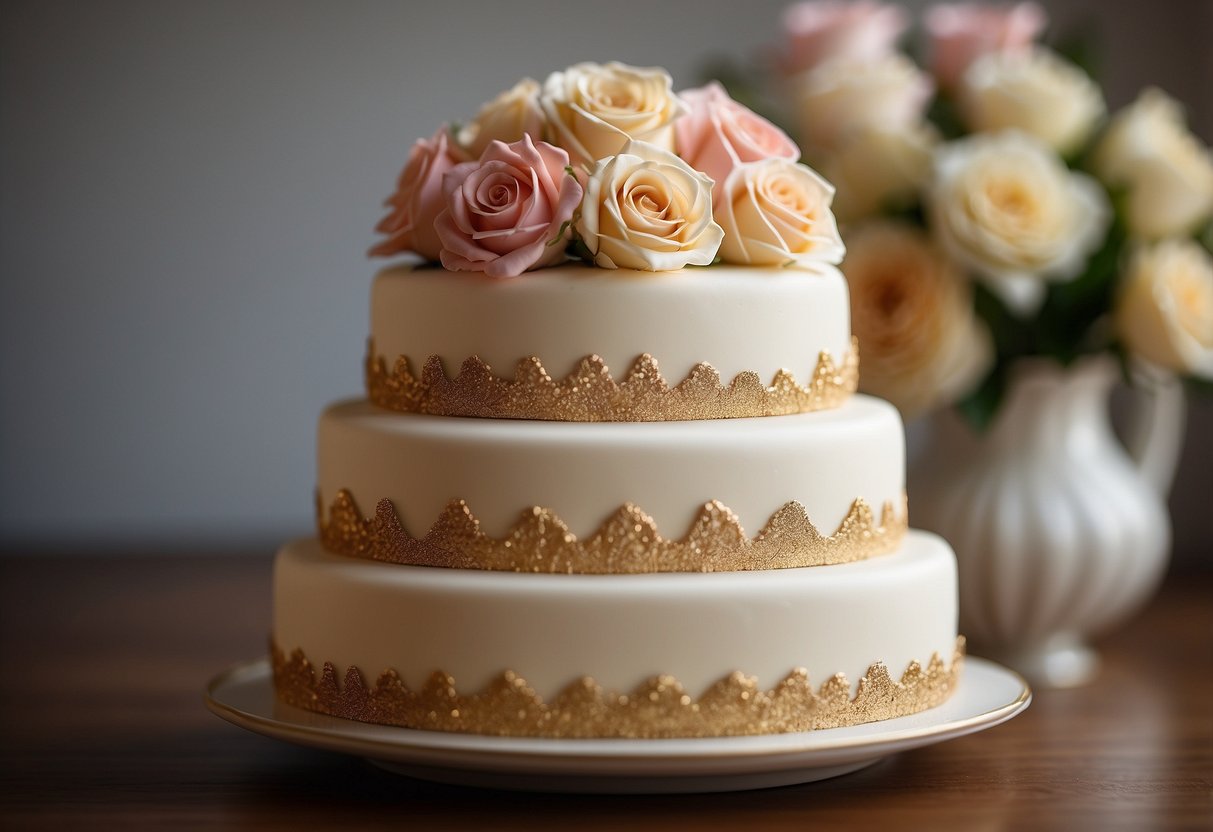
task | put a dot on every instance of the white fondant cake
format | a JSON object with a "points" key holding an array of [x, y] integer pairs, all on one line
{"points": [[584, 472], [736, 319], [619, 630], [598, 502]]}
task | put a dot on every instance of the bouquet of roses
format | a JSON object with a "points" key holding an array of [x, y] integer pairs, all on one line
{"points": [[608, 164], [991, 208]]}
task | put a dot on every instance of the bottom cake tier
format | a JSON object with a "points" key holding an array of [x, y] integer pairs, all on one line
{"points": [[660, 655]]}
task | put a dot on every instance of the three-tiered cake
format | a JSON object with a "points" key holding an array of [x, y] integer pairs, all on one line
{"points": [[609, 501]]}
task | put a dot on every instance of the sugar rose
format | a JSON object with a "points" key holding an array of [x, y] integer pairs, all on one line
{"points": [[777, 212], [1166, 172], [1006, 207], [1037, 92], [877, 169], [409, 225], [645, 208], [507, 118], [718, 134], [960, 33], [508, 212], [912, 311], [1164, 311], [839, 99], [593, 110], [822, 30]]}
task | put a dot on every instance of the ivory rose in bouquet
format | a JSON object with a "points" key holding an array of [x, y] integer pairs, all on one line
{"points": [[647, 209], [508, 212], [1165, 308], [1007, 208]]}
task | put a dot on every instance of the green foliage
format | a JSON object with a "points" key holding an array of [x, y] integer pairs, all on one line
{"points": [[945, 115]]}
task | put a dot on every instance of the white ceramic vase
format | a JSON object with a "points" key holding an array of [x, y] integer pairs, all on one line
{"points": [[1060, 531]]}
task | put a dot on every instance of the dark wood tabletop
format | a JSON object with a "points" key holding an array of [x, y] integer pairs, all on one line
{"points": [[102, 725]]}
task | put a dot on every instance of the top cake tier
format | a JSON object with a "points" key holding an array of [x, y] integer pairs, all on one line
{"points": [[574, 343]]}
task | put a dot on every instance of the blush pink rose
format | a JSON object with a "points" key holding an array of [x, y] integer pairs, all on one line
{"points": [[418, 200], [718, 134], [820, 30], [960, 33], [508, 212]]}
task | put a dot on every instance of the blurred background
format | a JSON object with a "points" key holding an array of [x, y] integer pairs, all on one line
{"points": [[187, 192]]}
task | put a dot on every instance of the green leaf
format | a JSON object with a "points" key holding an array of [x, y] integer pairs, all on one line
{"points": [[980, 406]]}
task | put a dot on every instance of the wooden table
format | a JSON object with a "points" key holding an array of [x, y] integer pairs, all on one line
{"points": [[102, 726]]}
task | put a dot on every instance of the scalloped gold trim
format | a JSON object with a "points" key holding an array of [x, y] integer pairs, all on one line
{"points": [[590, 394], [626, 543], [658, 708]]}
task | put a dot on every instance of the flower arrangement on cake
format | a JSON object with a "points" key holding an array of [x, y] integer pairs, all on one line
{"points": [[992, 209], [605, 163]]}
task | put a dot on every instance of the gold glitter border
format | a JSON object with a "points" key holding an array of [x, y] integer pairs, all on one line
{"points": [[626, 543], [590, 394], [659, 708]]}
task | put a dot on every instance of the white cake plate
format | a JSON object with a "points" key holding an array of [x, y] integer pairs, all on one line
{"points": [[987, 695]]}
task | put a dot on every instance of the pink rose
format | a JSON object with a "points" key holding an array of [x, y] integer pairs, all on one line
{"points": [[960, 33], [820, 30], [504, 212], [719, 134], [418, 200]]}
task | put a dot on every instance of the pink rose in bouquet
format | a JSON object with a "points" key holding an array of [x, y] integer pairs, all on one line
{"points": [[719, 134], [510, 211], [820, 30], [960, 33], [418, 200]]}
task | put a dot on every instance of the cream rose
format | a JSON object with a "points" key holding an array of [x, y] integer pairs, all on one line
{"points": [[593, 110], [878, 168], [1037, 92], [776, 212], [644, 208], [1164, 311], [841, 98], [1167, 172], [507, 118], [1006, 207], [912, 311]]}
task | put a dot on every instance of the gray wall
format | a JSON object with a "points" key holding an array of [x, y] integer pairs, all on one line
{"points": [[186, 192]]}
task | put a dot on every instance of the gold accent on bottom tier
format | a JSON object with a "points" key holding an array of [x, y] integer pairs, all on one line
{"points": [[628, 542], [589, 393], [658, 708]]}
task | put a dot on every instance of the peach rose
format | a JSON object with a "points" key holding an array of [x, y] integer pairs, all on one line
{"points": [[960, 33], [912, 311], [777, 212], [593, 110], [719, 134], [508, 212], [826, 29], [647, 209], [418, 200], [507, 118], [1164, 309]]}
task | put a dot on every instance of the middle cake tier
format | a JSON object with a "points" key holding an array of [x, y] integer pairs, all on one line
{"points": [[714, 495]]}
